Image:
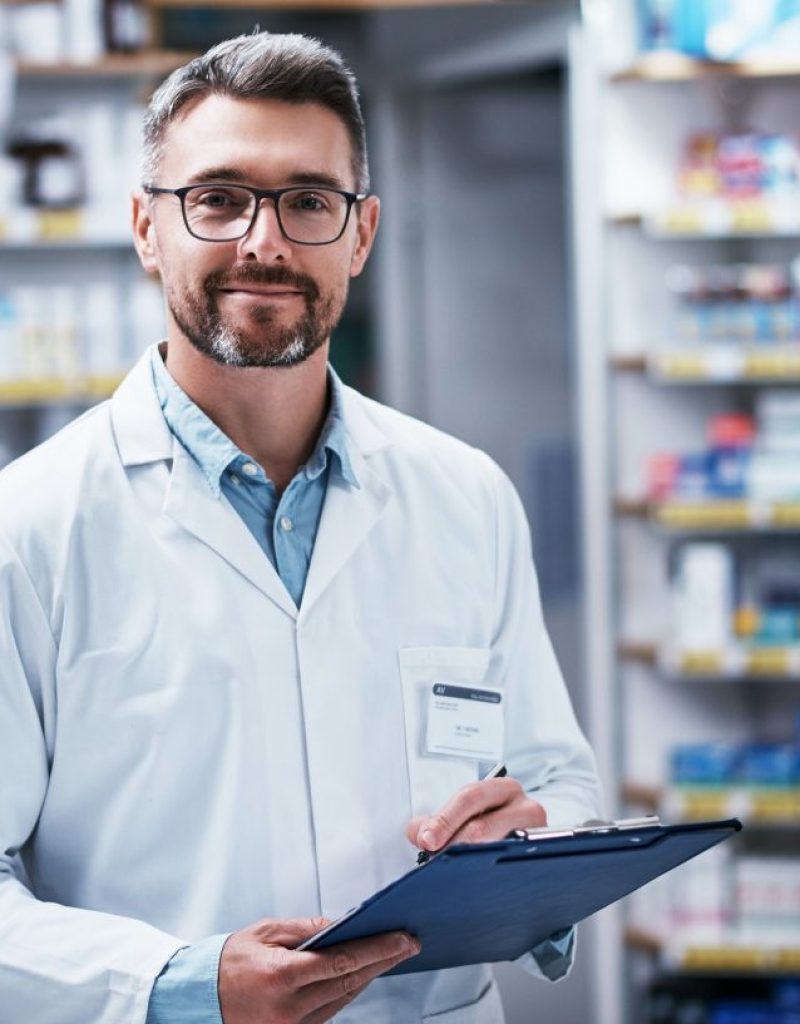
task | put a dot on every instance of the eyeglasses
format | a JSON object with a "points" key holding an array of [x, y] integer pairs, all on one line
{"points": [[224, 213]]}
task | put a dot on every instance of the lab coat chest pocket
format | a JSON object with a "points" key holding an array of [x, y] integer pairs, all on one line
{"points": [[434, 778]]}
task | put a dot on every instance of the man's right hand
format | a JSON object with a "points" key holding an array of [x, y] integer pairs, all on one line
{"points": [[262, 977]]}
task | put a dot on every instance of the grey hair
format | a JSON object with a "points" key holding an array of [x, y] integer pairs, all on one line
{"points": [[293, 68]]}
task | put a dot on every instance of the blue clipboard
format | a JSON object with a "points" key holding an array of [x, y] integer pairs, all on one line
{"points": [[480, 903]]}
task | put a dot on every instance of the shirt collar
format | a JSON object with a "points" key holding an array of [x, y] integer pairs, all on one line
{"points": [[214, 451]]}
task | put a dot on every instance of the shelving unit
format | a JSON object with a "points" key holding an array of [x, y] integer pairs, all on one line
{"points": [[678, 67], [723, 960], [712, 365], [720, 516], [150, 63], [67, 345], [729, 664], [45, 390], [641, 394]]}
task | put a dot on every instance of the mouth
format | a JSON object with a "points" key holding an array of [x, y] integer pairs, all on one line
{"points": [[262, 291]]}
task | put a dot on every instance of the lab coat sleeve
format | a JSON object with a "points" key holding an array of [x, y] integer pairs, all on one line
{"points": [[58, 964], [545, 748]]}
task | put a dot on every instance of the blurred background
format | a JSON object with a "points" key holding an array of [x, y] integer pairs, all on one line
{"points": [[588, 266]]}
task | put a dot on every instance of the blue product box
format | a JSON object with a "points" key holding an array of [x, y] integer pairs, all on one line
{"points": [[777, 626], [704, 764], [723, 29], [727, 472], [692, 21], [693, 480], [769, 764]]}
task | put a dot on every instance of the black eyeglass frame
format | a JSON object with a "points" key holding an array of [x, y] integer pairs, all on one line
{"points": [[259, 194]]}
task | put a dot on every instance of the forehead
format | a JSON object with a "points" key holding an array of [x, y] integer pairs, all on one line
{"points": [[267, 141]]}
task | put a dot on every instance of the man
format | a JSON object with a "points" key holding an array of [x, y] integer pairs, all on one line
{"points": [[225, 596]]}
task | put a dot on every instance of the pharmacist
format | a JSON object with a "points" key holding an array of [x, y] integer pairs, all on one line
{"points": [[224, 598]]}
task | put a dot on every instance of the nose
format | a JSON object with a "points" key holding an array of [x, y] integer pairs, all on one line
{"points": [[265, 241]]}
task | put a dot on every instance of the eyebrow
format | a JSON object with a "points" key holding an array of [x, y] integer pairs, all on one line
{"points": [[220, 174]]}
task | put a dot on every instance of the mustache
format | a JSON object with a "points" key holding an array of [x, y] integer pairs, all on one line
{"points": [[256, 273]]}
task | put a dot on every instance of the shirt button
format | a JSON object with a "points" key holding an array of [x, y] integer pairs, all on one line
{"points": [[250, 469], [286, 523]]}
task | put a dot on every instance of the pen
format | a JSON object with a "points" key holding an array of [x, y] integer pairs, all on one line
{"points": [[497, 771]]}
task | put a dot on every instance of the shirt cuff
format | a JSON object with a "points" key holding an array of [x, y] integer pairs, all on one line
{"points": [[552, 958], [186, 990]]}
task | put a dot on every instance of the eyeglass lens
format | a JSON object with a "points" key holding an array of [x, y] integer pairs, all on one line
{"points": [[225, 212]]}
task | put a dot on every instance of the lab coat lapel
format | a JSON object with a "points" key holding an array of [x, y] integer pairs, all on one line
{"points": [[349, 513], [212, 519], [143, 437]]}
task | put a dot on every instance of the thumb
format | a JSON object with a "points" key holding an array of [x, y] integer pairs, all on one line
{"points": [[412, 829], [289, 932]]}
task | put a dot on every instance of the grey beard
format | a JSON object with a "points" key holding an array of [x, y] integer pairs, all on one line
{"points": [[223, 347]]}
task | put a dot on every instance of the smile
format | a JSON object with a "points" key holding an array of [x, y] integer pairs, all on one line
{"points": [[262, 291]]}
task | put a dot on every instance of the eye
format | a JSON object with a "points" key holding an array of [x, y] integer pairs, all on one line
{"points": [[310, 202], [219, 198]]}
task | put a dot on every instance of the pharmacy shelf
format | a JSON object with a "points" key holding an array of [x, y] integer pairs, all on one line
{"points": [[667, 66], [14, 245], [55, 229], [714, 516], [716, 363], [766, 807], [720, 219], [642, 693], [46, 390], [734, 663], [729, 958], [150, 63], [715, 220]]}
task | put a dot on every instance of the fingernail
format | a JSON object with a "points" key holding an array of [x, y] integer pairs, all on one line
{"points": [[427, 838], [412, 945]]}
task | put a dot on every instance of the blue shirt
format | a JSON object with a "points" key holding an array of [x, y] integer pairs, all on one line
{"points": [[285, 527]]}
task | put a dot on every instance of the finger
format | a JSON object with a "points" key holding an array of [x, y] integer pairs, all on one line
{"points": [[487, 828], [334, 993], [350, 957], [469, 802]]}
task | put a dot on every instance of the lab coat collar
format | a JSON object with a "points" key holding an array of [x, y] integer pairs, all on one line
{"points": [[142, 437], [140, 430], [348, 514], [192, 503]]}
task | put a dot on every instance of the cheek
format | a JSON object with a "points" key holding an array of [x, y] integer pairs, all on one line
{"points": [[186, 266], [334, 275]]}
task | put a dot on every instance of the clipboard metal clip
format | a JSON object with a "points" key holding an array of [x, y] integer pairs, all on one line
{"points": [[594, 827]]}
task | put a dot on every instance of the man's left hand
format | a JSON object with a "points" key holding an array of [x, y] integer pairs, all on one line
{"points": [[478, 813]]}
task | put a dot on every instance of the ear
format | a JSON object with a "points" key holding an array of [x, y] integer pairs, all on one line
{"points": [[144, 231], [367, 216]]}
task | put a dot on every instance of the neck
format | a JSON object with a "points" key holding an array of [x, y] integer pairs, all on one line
{"points": [[273, 414]]}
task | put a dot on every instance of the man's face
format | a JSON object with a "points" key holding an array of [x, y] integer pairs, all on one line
{"points": [[260, 300]]}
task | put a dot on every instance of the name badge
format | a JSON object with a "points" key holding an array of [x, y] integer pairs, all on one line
{"points": [[465, 722]]}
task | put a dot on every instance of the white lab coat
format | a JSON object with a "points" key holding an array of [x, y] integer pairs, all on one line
{"points": [[183, 752]]}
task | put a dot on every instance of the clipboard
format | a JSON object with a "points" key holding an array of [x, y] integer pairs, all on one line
{"points": [[486, 902]]}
